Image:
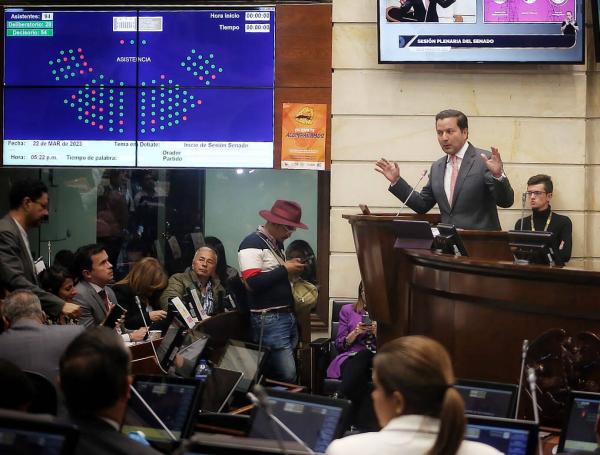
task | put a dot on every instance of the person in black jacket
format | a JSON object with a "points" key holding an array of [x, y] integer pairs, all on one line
{"points": [[146, 280], [539, 192]]}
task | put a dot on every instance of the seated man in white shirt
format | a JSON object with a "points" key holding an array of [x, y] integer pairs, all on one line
{"points": [[95, 273]]}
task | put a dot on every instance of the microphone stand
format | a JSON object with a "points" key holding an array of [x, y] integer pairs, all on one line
{"points": [[523, 199], [151, 411], [536, 417], [139, 305], [524, 350], [411, 192], [259, 398], [260, 342]]}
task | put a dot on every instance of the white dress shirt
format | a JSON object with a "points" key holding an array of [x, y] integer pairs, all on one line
{"points": [[448, 174], [409, 434]]}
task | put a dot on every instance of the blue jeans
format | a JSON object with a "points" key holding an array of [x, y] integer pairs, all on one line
{"points": [[280, 335]]}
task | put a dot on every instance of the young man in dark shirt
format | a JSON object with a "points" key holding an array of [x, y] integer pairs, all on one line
{"points": [[539, 192]]}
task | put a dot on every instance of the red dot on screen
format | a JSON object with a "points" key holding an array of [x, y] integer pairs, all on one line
{"points": [[87, 113], [65, 59], [93, 106], [84, 63], [201, 78], [93, 123], [90, 69], [101, 127], [73, 97], [153, 121], [81, 57], [101, 109], [93, 92], [80, 50], [80, 71], [121, 122], [199, 101], [184, 117], [213, 77]]}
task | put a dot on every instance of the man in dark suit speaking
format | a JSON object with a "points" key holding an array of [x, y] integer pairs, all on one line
{"points": [[467, 183], [416, 10]]}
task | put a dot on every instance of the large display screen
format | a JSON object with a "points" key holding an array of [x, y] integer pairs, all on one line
{"points": [[147, 88], [542, 31]]}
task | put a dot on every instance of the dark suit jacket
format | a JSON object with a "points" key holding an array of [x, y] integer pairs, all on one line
{"points": [[476, 194], [36, 347], [126, 298], [93, 311], [97, 437], [416, 9], [16, 268]]}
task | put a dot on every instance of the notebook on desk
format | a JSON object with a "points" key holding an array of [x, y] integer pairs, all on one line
{"points": [[316, 420], [491, 399], [511, 437], [579, 434]]}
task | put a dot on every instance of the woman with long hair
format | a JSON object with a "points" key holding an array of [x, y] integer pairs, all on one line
{"points": [[146, 280], [419, 410]]}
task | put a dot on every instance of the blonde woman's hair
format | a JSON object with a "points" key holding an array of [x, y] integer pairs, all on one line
{"points": [[420, 369], [146, 277]]}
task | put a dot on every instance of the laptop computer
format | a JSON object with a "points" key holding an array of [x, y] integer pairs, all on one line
{"points": [[174, 400], [578, 434], [190, 354], [22, 433], [219, 385], [170, 344], [315, 419], [491, 399], [511, 437], [245, 358]]}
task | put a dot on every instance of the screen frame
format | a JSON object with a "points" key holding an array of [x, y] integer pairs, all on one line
{"points": [[501, 386], [531, 427], [139, 8], [171, 380], [581, 61], [573, 395]]}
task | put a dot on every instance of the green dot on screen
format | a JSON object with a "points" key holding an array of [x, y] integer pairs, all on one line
{"points": [[131, 41], [120, 130], [62, 52], [111, 129]]}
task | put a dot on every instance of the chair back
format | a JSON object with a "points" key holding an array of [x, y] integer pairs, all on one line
{"points": [[335, 315], [44, 394]]}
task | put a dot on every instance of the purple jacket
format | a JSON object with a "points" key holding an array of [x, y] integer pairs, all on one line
{"points": [[349, 319]]}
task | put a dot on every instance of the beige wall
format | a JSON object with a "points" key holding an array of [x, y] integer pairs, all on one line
{"points": [[542, 118]]}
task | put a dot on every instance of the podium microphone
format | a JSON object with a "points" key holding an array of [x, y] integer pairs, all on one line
{"points": [[531, 379], [139, 305], [523, 199], [259, 397], [524, 350], [411, 192]]}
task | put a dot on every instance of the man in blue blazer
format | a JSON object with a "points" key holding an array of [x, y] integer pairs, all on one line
{"points": [[467, 183]]}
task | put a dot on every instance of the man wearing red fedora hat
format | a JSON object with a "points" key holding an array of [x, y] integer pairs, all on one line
{"points": [[267, 273]]}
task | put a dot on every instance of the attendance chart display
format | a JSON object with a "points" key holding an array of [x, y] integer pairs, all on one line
{"points": [[147, 88]]}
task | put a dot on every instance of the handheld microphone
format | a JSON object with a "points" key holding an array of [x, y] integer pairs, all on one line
{"points": [[139, 305], [523, 199], [259, 397], [151, 411], [524, 349], [412, 191]]}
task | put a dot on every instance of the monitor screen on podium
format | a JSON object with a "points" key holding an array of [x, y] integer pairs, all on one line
{"points": [[579, 432], [490, 399], [511, 437], [534, 247]]}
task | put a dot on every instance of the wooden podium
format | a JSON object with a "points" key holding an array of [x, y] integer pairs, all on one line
{"points": [[480, 307]]}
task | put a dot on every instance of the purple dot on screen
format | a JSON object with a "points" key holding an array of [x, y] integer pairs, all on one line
{"points": [[213, 77], [122, 41], [101, 127], [199, 101]]}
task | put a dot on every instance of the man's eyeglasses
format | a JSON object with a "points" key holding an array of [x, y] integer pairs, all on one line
{"points": [[535, 193], [288, 229]]}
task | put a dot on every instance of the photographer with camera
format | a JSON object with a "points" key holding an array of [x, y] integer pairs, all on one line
{"points": [[356, 344]]}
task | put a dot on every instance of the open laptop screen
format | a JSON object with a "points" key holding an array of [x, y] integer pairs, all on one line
{"points": [[218, 388], [579, 433], [316, 420], [31, 435], [511, 437], [174, 400], [243, 357], [488, 398]]}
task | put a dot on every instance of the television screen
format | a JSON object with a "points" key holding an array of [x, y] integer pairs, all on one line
{"points": [[543, 31], [596, 26], [148, 88]]}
